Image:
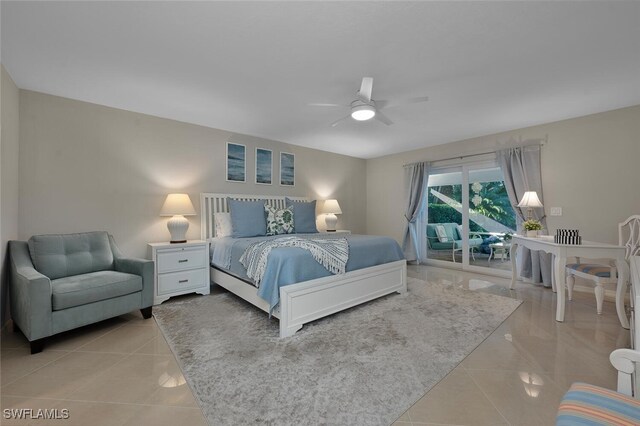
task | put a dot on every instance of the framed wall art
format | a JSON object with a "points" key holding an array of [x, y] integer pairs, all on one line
{"points": [[264, 166], [236, 162], [287, 169]]}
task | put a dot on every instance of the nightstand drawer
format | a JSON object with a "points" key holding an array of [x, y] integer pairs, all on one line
{"points": [[184, 280], [181, 259]]}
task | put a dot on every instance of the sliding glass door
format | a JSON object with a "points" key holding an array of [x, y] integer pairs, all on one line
{"points": [[444, 215], [469, 218]]}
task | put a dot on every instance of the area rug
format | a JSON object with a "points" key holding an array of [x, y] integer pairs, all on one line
{"points": [[363, 366]]}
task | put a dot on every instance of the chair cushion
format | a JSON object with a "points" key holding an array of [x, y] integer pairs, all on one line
{"points": [[63, 255], [594, 269], [436, 245], [442, 235], [92, 287], [586, 404]]}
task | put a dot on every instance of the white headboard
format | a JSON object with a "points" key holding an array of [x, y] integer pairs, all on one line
{"points": [[210, 204]]}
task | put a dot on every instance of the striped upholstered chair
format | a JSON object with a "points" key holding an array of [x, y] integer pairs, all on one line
{"points": [[591, 405], [600, 274]]}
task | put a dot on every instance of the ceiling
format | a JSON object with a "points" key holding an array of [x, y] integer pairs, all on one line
{"points": [[252, 67]]}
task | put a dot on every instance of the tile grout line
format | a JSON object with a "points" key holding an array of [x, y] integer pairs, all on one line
{"points": [[488, 399], [67, 352]]}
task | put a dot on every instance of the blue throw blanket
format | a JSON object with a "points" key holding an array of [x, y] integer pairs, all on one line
{"points": [[332, 254]]}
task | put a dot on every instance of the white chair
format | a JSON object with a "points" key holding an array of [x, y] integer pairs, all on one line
{"points": [[606, 274], [626, 361]]}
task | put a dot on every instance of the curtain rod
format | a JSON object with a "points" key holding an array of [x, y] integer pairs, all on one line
{"points": [[540, 142]]}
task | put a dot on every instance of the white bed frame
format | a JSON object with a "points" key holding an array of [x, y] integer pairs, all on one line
{"points": [[309, 300]]}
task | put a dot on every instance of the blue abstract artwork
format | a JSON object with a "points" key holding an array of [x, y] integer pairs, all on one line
{"points": [[287, 169], [264, 166], [236, 162]]}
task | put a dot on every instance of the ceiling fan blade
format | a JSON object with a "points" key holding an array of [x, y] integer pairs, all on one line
{"points": [[383, 118], [335, 123], [399, 102], [366, 89], [327, 105]]}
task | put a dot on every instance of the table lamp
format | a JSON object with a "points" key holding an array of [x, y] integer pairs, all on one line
{"points": [[331, 208], [178, 206], [530, 200]]}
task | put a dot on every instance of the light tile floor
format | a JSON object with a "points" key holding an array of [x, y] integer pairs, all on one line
{"points": [[121, 371], [118, 372], [518, 375]]}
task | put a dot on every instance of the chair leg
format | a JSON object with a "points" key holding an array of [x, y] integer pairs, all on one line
{"points": [[570, 282], [146, 312], [37, 346], [599, 297]]}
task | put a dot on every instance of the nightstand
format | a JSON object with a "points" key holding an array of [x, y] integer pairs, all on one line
{"points": [[337, 231], [180, 269]]}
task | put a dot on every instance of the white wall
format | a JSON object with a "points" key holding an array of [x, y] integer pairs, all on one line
{"points": [[9, 109], [89, 167], [589, 168]]}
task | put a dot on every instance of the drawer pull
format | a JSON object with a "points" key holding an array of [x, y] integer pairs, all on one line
{"points": [[183, 281], [183, 260]]}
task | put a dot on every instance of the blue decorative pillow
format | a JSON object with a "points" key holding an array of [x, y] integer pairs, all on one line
{"points": [[304, 216], [247, 218]]}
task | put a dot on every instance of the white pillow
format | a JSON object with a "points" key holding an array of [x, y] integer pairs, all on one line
{"points": [[223, 225], [442, 234]]}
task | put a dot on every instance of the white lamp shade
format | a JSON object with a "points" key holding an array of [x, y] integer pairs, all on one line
{"points": [[530, 199], [331, 206], [178, 204]]}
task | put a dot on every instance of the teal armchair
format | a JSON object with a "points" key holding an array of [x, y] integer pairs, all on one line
{"points": [[455, 239], [61, 282]]}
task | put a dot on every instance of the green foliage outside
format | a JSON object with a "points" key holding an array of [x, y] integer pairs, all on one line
{"points": [[443, 213], [494, 204]]}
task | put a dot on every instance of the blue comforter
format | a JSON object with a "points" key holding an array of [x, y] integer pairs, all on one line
{"points": [[290, 265]]}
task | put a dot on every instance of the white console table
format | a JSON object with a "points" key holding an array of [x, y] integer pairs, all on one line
{"points": [[587, 250]]}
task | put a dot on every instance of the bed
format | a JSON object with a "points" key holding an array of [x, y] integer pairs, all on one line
{"points": [[311, 299]]}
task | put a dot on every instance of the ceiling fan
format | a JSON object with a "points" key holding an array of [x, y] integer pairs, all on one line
{"points": [[365, 108]]}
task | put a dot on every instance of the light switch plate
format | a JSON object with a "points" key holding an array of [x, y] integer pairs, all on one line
{"points": [[556, 211]]}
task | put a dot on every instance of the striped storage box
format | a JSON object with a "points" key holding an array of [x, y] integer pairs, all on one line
{"points": [[591, 405]]}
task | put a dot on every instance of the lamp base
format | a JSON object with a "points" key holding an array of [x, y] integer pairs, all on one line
{"points": [[178, 226], [331, 220]]}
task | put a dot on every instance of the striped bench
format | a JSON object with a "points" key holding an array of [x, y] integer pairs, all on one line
{"points": [[591, 405]]}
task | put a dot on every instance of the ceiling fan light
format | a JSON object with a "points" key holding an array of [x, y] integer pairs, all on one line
{"points": [[363, 112]]}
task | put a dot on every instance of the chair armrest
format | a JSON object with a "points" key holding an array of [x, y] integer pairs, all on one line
{"points": [[624, 360], [30, 293], [143, 268]]}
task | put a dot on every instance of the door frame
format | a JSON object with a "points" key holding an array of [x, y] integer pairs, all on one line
{"points": [[464, 167]]}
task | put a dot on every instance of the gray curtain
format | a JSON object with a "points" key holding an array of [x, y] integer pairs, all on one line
{"points": [[521, 169], [416, 176]]}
